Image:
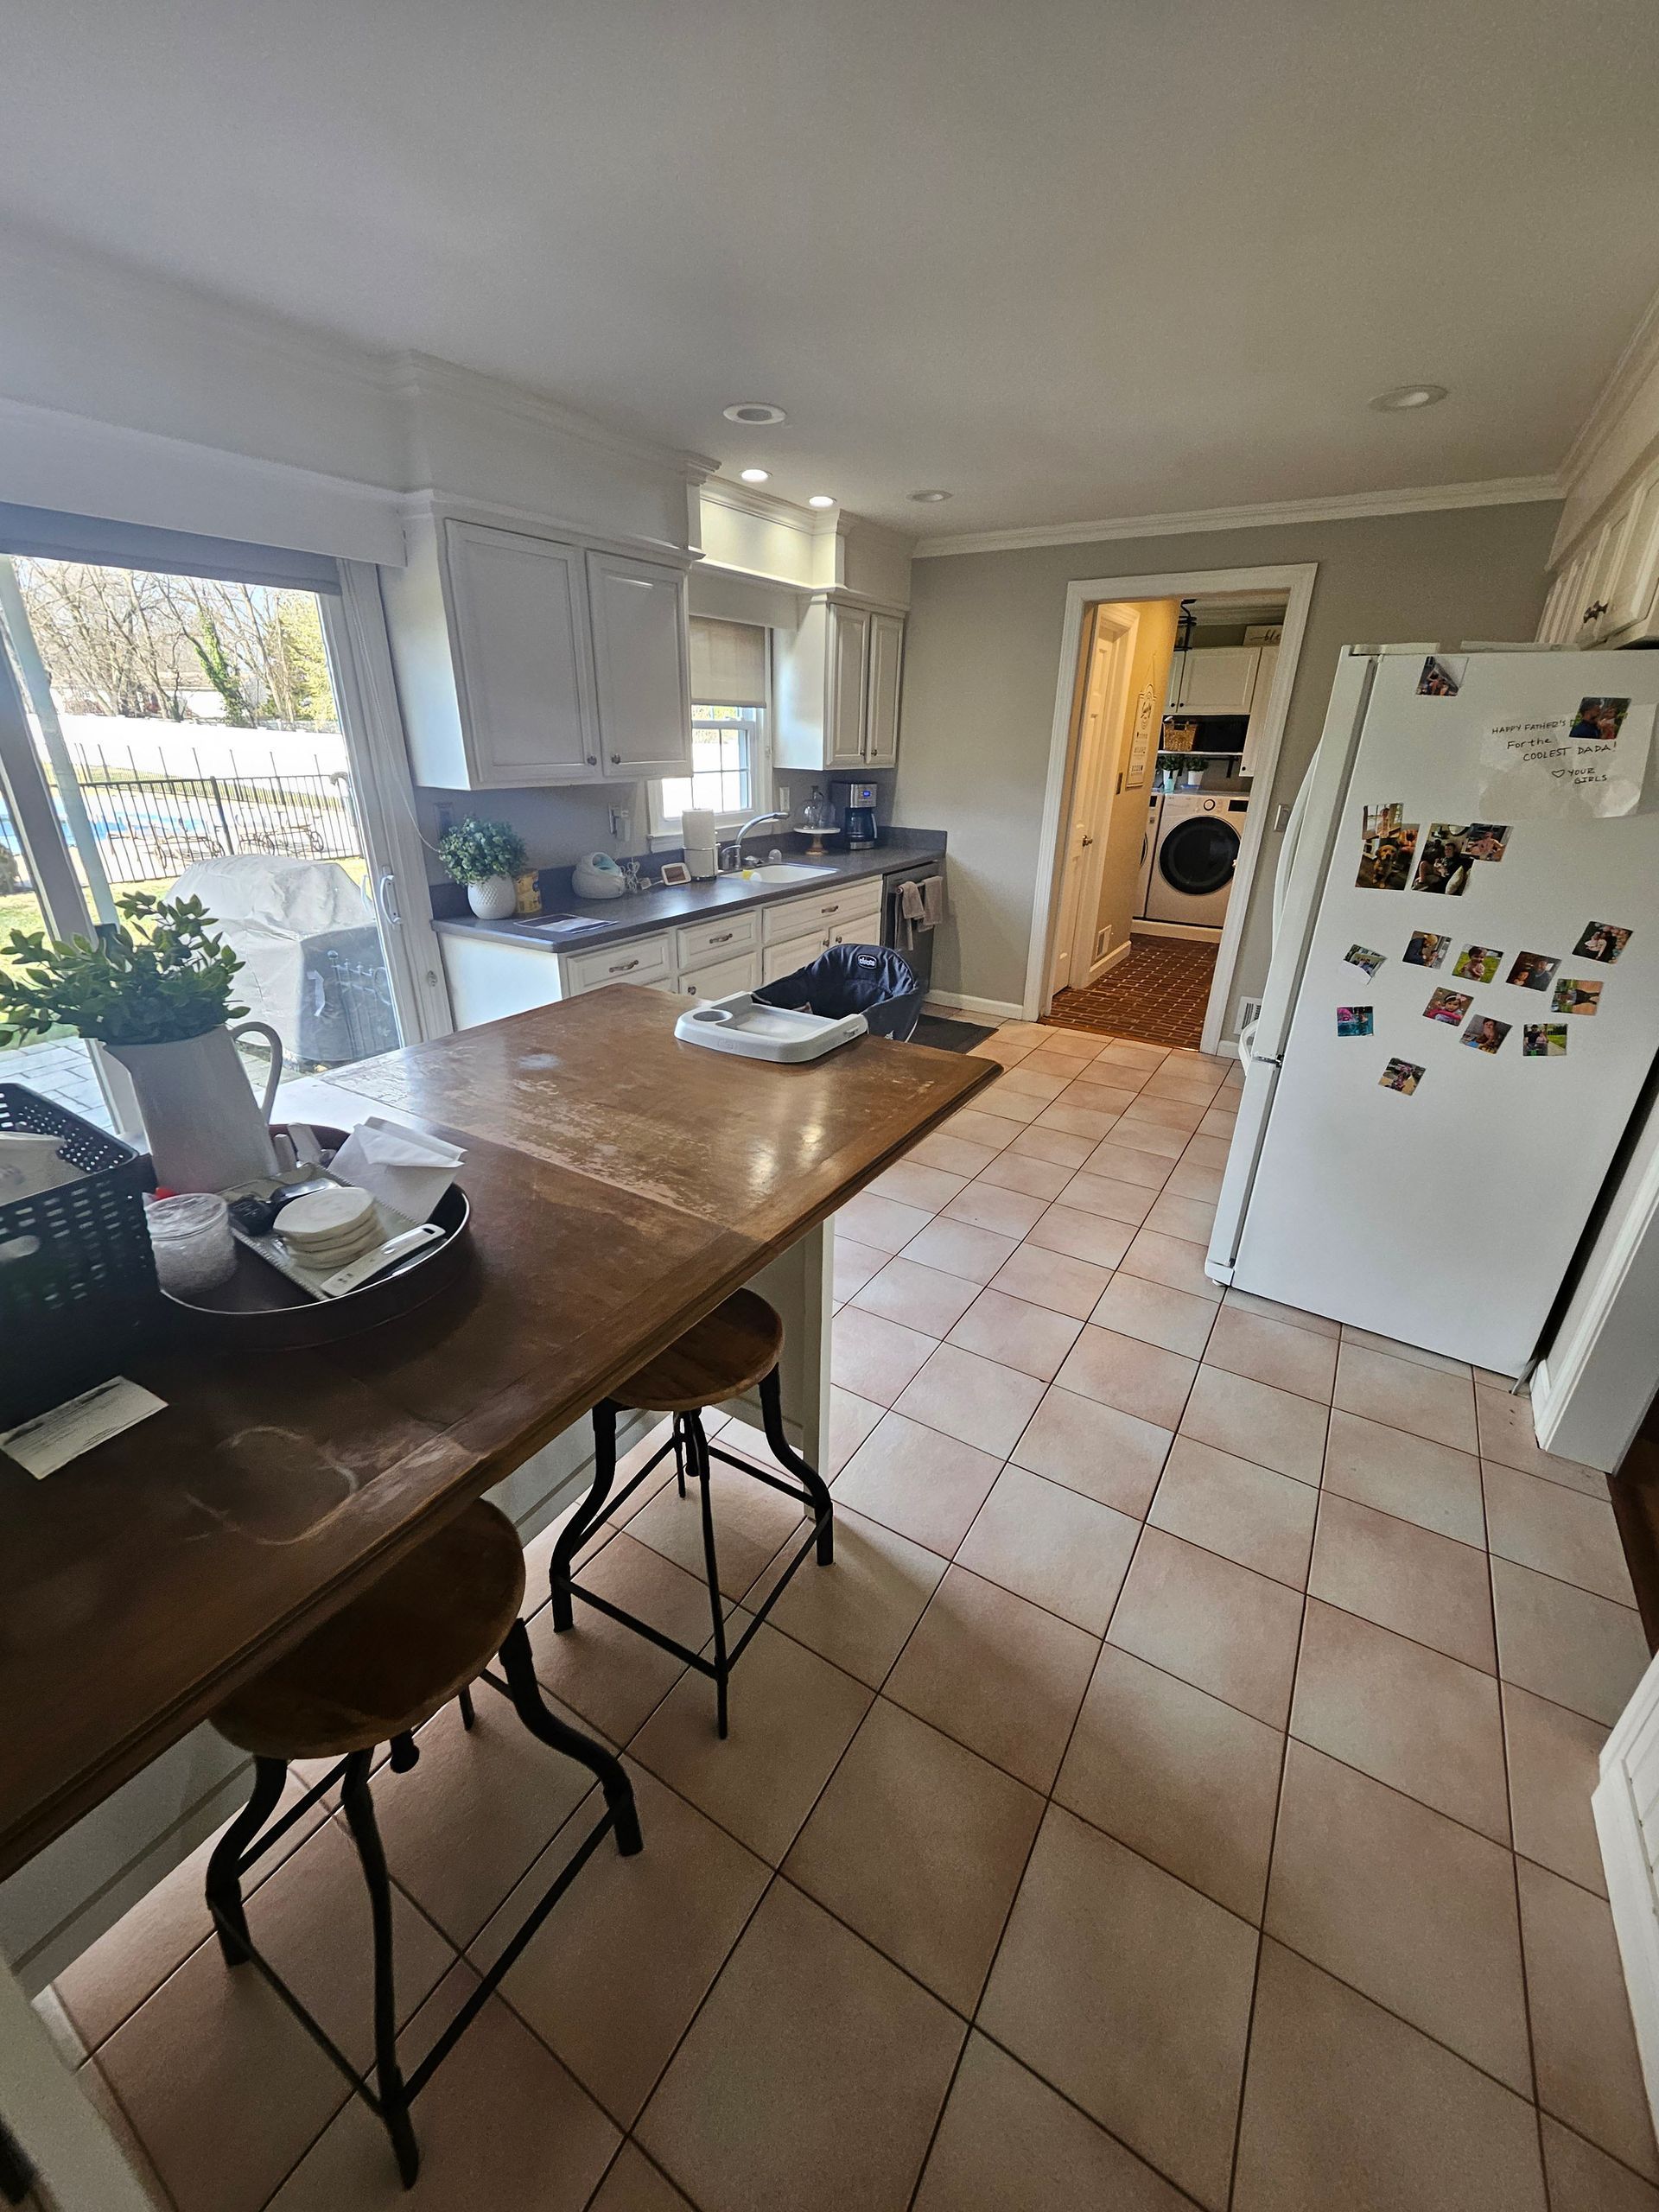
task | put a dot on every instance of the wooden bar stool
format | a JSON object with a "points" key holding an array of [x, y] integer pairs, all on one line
{"points": [[734, 1349], [424, 1633]]}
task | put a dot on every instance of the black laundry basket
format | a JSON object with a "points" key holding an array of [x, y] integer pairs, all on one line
{"points": [[867, 979]]}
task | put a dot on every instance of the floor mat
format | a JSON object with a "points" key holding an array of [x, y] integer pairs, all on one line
{"points": [[948, 1036], [1158, 995]]}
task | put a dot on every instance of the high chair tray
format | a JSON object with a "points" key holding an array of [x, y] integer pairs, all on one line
{"points": [[741, 1024]]}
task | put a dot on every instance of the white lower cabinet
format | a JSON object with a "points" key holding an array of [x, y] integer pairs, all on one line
{"points": [[491, 977], [788, 954], [721, 978]]}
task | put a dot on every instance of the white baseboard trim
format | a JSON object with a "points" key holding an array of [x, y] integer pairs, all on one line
{"points": [[1204, 932], [1105, 967], [960, 1002]]}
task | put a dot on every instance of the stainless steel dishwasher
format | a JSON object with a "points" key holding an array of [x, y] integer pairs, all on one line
{"points": [[920, 951]]}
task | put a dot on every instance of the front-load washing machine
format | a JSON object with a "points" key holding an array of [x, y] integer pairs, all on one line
{"points": [[1194, 852]]}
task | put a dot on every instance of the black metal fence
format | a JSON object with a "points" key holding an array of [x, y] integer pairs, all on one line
{"points": [[152, 827]]}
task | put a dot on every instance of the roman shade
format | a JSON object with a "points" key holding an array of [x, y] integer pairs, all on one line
{"points": [[729, 664]]}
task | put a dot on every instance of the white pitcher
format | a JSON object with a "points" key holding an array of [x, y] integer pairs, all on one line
{"points": [[206, 1130]]}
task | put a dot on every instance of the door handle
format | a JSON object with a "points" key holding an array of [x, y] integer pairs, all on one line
{"points": [[1087, 840], [386, 885]]}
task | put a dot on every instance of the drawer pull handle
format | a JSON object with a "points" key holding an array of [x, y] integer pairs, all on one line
{"points": [[725, 937], [622, 967], [836, 909]]}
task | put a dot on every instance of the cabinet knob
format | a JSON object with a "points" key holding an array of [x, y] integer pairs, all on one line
{"points": [[615, 759], [1591, 612], [593, 759]]}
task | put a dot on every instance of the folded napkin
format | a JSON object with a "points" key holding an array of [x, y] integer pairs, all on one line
{"points": [[404, 1169]]}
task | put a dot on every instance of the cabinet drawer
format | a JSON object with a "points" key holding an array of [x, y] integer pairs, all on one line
{"points": [[719, 979], [824, 910], [643, 960], [716, 940], [788, 954], [860, 931]]}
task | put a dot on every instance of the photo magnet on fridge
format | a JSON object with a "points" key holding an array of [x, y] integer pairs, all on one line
{"points": [[1574, 995], [1353, 1021], [1602, 941], [1487, 841], [1533, 971], [1360, 956], [1387, 844], [1440, 679], [1401, 1075], [1484, 1035], [1447, 1006], [1425, 949], [1543, 1040], [1445, 860], [1477, 963], [1598, 721]]}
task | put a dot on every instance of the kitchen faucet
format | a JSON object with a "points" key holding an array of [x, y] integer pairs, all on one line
{"points": [[753, 823]]}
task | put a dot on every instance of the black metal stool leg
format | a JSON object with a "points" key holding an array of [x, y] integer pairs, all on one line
{"points": [[772, 1412], [577, 1528], [468, 1715], [224, 1884], [358, 1807], [679, 1452], [16, 2174], [519, 1668], [698, 1445]]}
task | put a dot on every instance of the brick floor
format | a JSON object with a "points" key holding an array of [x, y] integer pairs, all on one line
{"points": [[1158, 995]]}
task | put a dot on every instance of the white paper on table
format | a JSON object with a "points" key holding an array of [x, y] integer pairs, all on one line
{"points": [[404, 1169], [1531, 769], [52, 1439]]}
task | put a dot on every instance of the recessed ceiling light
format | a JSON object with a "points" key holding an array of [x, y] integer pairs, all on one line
{"points": [[1401, 398], [930, 499], [820, 500], [755, 475], [754, 410]]}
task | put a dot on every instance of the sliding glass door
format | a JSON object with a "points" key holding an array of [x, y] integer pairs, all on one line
{"points": [[181, 735]]}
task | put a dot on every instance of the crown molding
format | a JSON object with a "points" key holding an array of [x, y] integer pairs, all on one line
{"points": [[1635, 368], [413, 375], [765, 506], [1495, 492]]}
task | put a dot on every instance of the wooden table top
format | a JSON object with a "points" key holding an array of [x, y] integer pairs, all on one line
{"points": [[621, 1183]]}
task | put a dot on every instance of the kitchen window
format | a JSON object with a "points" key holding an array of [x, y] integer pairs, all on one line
{"points": [[731, 756]]}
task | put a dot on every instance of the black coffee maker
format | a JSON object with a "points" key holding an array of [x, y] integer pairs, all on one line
{"points": [[857, 803]]}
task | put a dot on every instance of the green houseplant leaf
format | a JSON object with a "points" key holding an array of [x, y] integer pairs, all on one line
{"points": [[162, 978], [474, 851]]}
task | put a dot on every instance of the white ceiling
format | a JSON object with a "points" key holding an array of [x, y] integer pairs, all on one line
{"points": [[1069, 258]]}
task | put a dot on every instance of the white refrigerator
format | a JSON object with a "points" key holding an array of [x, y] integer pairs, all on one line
{"points": [[1445, 1207]]}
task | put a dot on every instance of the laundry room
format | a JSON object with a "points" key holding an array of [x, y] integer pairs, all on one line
{"points": [[1174, 703]]}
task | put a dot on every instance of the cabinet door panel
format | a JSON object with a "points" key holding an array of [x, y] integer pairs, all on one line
{"points": [[886, 663], [793, 952], [1219, 679], [641, 666], [525, 676], [1259, 697], [849, 651], [722, 977], [1636, 573]]}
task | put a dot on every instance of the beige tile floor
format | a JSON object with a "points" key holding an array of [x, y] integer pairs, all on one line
{"points": [[1177, 1792]]}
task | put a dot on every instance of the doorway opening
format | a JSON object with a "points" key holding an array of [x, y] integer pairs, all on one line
{"points": [[1169, 718]]}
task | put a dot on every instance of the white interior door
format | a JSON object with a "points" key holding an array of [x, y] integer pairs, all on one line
{"points": [[1111, 642]]}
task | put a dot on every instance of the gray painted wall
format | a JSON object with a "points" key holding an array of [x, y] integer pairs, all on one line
{"points": [[982, 654]]}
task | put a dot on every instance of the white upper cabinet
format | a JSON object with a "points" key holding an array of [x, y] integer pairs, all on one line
{"points": [[850, 646], [887, 659], [525, 661], [836, 687], [641, 666], [519, 611], [1607, 591], [1217, 679], [1259, 698]]}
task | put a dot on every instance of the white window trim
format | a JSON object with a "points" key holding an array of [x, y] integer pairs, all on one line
{"points": [[666, 838]]}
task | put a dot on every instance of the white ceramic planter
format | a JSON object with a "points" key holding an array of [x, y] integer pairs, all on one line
{"points": [[493, 899], [206, 1130]]}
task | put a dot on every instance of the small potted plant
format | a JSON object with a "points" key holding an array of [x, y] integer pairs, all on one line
{"points": [[155, 994], [485, 857]]}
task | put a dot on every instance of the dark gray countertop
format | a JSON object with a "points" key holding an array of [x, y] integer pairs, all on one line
{"points": [[636, 916]]}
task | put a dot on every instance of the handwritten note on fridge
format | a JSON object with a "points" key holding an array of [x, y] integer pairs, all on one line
{"points": [[1571, 767]]}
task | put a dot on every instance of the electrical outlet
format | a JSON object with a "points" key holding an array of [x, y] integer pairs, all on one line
{"points": [[621, 824], [784, 799]]}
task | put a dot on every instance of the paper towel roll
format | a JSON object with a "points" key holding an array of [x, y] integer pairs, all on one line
{"points": [[700, 839]]}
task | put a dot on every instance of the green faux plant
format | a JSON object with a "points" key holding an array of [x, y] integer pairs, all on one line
{"points": [[161, 978], [474, 851]]}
